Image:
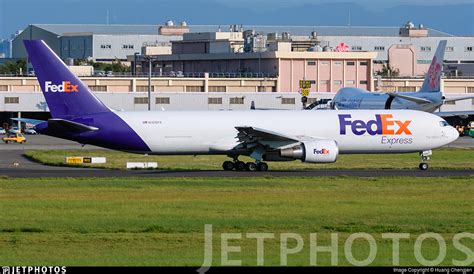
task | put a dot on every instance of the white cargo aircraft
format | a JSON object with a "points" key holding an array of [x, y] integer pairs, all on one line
{"points": [[312, 137], [429, 98]]}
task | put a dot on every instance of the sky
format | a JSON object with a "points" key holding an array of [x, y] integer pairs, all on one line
{"points": [[369, 4], [452, 16]]}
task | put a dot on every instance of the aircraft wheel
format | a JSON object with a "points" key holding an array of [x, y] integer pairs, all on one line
{"points": [[251, 166], [228, 165], [423, 166], [262, 166], [239, 165]]}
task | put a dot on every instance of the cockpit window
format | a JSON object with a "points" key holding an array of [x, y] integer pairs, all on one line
{"points": [[443, 123]]}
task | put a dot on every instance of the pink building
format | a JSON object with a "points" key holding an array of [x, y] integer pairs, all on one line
{"points": [[327, 71], [404, 59]]}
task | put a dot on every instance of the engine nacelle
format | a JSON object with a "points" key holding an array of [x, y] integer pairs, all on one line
{"points": [[274, 156], [321, 151]]}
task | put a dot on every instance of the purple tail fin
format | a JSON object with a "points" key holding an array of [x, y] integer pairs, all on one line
{"points": [[65, 94]]}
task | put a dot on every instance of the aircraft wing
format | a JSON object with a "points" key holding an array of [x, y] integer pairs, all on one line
{"points": [[417, 100], [462, 114], [459, 98], [249, 135], [258, 141]]}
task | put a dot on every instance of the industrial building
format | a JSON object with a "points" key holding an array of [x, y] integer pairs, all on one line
{"points": [[413, 44], [327, 71], [407, 49], [101, 43], [22, 95], [209, 67]]}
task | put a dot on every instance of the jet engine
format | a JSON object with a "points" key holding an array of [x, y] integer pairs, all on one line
{"points": [[320, 151]]}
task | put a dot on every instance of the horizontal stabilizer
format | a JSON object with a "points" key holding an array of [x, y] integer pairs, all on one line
{"points": [[69, 126], [417, 100], [28, 121], [459, 98], [461, 114]]}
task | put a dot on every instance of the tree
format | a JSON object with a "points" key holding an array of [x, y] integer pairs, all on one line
{"points": [[115, 66], [13, 67], [388, 71]]}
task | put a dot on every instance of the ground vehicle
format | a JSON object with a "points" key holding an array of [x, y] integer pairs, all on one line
{"points": [[14, 130], [14, 137], [469, 132], [3, 131], [99, 73], [30, 131]]}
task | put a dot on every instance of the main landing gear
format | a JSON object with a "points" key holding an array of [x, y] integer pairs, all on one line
{"points": [[240, 166], [425, 156]]}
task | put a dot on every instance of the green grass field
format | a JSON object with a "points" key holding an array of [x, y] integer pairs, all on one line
{"points": [[135, 221], [441, 159]]}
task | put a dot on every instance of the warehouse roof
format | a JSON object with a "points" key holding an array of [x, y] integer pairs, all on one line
{"points": [[61, 29]]}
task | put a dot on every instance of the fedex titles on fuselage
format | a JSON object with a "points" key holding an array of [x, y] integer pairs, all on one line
{"points": [[66, 86], [383, 125]]}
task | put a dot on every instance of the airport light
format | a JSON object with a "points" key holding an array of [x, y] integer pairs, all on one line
{"points": [[134, 68], [149, 59], [149, 83]]}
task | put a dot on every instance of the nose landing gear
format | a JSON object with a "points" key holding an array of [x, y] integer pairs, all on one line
{"points": [[425, 156], [423, 166]]}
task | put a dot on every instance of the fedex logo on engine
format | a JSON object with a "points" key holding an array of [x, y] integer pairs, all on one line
{"points": [[321, 151], [66, 86], [384, 124]]}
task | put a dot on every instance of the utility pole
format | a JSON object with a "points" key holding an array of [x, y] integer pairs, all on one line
{"points": [[149, 83]]}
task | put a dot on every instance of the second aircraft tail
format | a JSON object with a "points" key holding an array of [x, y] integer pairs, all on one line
{"points": [[432, 82]]}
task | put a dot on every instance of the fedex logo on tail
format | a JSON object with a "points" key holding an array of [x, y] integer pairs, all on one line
{"points": [[384, 124], [66, 86]]}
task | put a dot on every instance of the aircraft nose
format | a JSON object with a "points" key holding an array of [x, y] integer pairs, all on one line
{"points": [[453, 134]]}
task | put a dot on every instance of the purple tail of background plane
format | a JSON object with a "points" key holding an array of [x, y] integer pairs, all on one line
{"points": [[66, 95]]}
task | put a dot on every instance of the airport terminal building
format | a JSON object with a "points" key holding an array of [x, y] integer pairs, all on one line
{"points": [[209, 67]]}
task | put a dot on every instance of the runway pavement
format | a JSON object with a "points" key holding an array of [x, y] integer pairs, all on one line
{"points": [[14, 164], [79, 172], [44, 142]]}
